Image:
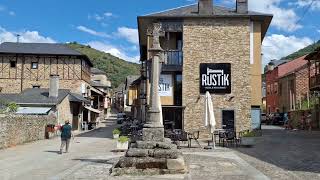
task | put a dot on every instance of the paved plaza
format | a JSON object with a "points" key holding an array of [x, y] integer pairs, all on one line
{"points": [[279, 154]]}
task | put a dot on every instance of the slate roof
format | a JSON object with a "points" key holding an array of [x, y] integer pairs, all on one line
{"points": [[130, 80], [97, 71], [37, 48], [291, 66], [78, 98], [40, 49], [192, 11], [35, 97]]}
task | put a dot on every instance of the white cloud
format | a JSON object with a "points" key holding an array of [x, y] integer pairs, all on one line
{"points": [[108, 14], [129, 34], [115, 51], [93, 32], [25, 36], [12, 13], [101, 17], [284, 18], [277, 46], [4, 9], [306, 3]]}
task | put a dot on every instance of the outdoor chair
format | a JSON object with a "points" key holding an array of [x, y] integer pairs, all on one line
{"points": [[228, 138], [178, 136], [194, 136]]}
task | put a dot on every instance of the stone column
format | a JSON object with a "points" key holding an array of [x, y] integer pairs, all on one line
{"points": [[153, 129]]}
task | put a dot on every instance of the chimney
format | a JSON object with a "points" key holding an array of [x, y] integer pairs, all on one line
{"points": [[54, 86], [242, 6], [205, 7]]}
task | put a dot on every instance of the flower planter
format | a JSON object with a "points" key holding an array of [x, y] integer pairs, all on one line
{"points": [[122, 146], [115, 136], [248, 141]]}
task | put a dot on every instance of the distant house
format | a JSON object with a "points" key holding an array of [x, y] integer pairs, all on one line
{"points": [[100, 81], [287, 85], [61, 103], [29, 65]]}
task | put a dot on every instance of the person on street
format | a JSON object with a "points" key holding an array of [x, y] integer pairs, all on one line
{"points": [[66, 134], [309, 120]]}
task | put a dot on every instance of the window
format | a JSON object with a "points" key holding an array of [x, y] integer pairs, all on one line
{"points": [[275, 88], [36, 87], [34, 65], [13, 64], [280, 89], [268, 89], [271, 90], [0, 89]]}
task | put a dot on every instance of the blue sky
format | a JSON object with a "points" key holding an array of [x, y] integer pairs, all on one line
{"points": [[111, 26]]}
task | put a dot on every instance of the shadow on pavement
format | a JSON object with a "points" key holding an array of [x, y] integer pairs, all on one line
{"points": [[286, 149], [102, 161], [102, 132], [55, 152]]}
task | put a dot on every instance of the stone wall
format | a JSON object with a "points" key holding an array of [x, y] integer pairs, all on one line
{"points": [[218, 41], [15, 130]]}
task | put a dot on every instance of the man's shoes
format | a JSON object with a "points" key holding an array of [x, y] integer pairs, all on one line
{"points": [[60, 152]]}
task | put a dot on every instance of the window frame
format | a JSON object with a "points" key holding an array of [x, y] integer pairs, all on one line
{"points": [[15, 64], [32, 63]]}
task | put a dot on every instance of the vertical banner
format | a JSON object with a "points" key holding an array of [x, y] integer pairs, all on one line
{"points": [[165, 85]]}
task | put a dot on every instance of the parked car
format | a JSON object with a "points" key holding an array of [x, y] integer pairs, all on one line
{"points": [[278, 119]]}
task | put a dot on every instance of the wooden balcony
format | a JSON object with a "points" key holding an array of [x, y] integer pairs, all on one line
{"points": [[174, 61], [315, 83]]}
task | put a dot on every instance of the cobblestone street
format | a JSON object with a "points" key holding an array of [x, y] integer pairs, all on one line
{"points": [[279, 154], [283, 154]]}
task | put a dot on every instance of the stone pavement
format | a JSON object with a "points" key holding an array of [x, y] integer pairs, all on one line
{"points": [[279, 154]]}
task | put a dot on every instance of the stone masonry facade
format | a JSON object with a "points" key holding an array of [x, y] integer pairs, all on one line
{"points": [[15, 130], [216, 41], [73, 72]]}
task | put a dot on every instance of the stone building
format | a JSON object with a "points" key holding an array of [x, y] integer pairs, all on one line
{"points": [[61, 103], [30, 69], [29, 65], [100, 81], [204, 39], [293, 85]]}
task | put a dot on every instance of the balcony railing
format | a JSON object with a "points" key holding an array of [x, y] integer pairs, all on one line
{"points": [[174, 57], [315, 82]]}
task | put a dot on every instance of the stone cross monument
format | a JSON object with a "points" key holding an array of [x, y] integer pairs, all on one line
{"points": [[154, 154], [153, 129]]}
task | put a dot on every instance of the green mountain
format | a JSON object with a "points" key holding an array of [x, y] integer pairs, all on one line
{"points": [[117, 69], [303, 51]]}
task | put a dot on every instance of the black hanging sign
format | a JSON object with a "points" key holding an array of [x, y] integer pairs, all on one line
{"points": [[215, 78]]}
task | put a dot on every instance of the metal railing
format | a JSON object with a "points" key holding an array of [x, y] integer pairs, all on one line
{"points": [[174, 57]]}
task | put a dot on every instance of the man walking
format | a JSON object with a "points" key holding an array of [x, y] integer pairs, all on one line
{"points": [[65, 136]]}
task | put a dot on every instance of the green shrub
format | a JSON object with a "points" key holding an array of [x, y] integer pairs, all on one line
{"points": [[12, 107], [116, 131], [123, 139], [250, 134]]}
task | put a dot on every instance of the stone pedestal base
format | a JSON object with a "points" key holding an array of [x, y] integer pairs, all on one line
{"points": [[153, 134], [150, 158]]}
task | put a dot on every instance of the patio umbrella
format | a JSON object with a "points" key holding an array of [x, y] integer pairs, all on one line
{"points": [[210, 120]]}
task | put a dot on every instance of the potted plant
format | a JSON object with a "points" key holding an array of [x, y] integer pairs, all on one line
{"points": [[123, 143], [248, 138], [116, 133]]}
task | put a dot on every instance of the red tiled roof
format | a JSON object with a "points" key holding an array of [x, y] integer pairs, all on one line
{"points": [[291, 66]]}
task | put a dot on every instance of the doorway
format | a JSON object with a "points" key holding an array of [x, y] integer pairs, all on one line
{"points": [[228, 121]]}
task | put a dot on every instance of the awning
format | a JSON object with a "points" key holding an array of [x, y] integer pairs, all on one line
{"points": [[93, 110], [33, 110]]}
